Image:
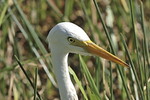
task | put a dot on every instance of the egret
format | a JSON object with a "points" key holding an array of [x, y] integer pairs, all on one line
{"points": [[65, 38]]}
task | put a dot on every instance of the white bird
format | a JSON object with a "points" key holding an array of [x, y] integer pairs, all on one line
{"points": [[65, 38]]}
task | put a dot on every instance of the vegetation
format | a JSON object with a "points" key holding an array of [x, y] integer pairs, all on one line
{"points": [[119, 26]]}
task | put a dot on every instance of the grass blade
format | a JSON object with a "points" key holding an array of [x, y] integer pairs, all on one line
{"points": [[146, 53], [87, 17], [32, 47], [89, 78], [111, 83], [68, 8], [35, 83], [54, 7], [137, 52], [78, 82], [98, 72], [3, 13], [19, 63], [33, 33], [131, 62], [112, 48]]}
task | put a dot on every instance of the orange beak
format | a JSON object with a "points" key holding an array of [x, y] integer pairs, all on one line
{"points": [[92, 48]]}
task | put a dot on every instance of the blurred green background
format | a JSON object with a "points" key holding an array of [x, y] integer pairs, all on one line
{"points": [[121, 27]]}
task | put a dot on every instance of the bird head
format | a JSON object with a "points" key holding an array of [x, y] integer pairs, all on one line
{"points": [[70, 38]]}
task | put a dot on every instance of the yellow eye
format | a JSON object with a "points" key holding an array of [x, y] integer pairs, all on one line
{"points": [[71, 40]]}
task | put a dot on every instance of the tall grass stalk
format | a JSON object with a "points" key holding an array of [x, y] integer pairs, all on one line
{"points": [[112, 48], [54, 7], [32, 31], [19, 63], [90, 24], [68, 9], [78, 83], [32, 46], [111, 83], [90, 80], [35, 83], [137, 52], [146, 53], [98, 73], [3, 13]]}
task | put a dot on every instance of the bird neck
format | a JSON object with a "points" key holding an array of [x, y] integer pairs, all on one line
{"points": [[66, 88]]}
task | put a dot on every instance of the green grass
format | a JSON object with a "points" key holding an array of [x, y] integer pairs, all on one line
{"points": [[119, 27]]}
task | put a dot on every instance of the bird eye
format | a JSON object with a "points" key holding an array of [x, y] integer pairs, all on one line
{"points": [[70, 39]]}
